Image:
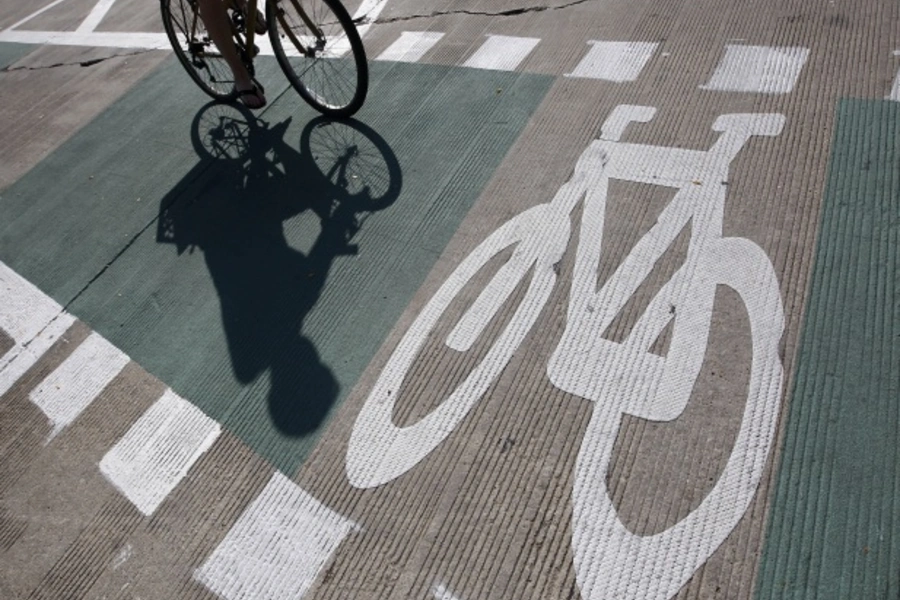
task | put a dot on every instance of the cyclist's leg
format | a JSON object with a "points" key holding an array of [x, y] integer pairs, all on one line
{"points": [[216, 20]]}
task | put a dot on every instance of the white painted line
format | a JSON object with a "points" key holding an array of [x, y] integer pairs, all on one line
{"points": [[614, 61], [142, 41], [278, 546], [411, 46], [93, 20], [366, 15], [32, 319], [66, 392], [23, 356], [895, 89], [502, 53], [758, 69], [24, 309], [440, 592], [159, 449], [34, 14]]}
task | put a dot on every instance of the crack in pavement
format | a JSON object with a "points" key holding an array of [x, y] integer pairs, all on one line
{"points": [[84, 63], [502, 13]]}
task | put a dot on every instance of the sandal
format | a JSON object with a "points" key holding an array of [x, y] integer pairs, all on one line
{"points": [[256, 92]]}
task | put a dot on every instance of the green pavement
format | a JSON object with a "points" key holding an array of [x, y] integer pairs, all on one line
{"points": [[836, 508], [10, 53], [256, 266]]}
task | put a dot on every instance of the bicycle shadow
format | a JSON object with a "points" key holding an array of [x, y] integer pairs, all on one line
{"points": [[252, 182]]}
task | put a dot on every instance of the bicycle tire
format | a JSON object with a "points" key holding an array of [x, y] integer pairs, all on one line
{"points": [[327, 79], [195, 50]]}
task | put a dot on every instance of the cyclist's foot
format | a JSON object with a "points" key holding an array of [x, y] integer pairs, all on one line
{"points": [[252, 97], [261, 25]]}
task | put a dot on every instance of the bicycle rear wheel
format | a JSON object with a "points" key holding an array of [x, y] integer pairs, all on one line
{"points": [[195, 50], [320, 52]]}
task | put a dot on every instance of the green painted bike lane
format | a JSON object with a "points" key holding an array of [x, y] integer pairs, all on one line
{"points": [[835, 513], [256, 266], [10, 53]]}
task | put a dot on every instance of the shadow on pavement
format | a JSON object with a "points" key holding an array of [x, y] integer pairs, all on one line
{"points": [[232, 207]]}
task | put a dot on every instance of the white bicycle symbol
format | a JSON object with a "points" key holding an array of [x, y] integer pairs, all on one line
{"points": [[610, 561]]}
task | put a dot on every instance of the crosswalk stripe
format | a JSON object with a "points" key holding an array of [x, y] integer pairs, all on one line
{"points": [[96, 16], [758, 69], [158, 451], [614, 61], [32, 319], [94, 39], [66, 392], [895, 88], [501, 53], [411, 46], [278, 546], [35, 14], [440, 592], [749, 69]]}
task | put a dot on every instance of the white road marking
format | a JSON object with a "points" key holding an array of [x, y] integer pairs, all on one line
{"points": [[614, 61], [278, 546], [158, 451], [440, 592], [501, 53], [758, 69], [895, 89], [33, 15], [618, 377], [66, 392], [411, 46], [366, 15], [96, 16], [32, 319], [137, 41]]}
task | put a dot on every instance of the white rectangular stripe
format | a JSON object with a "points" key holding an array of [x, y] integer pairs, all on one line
{"points": [[97, 13], [895, 88], [614, 61], [104, 39], [502, 53], [758, 69], [158, 451], [35, 14], [277, 547], [66, 392], [32, 319], [411, 46]]}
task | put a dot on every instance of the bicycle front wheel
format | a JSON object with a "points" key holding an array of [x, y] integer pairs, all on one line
{"points": [[320, 52], [195, 49]]}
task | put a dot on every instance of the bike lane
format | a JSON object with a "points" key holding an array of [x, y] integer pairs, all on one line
{"points": [[833, 521], [495, 502], [241, 280]]}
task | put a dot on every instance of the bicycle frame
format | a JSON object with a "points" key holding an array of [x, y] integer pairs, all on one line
{"points": [[250, 25]]}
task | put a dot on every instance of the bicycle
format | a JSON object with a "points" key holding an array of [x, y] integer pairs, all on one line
{"points": [[311, 40], [618, 377], [348, 170]]}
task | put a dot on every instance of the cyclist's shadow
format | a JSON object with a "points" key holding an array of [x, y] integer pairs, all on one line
{"points": [[266, 288]]}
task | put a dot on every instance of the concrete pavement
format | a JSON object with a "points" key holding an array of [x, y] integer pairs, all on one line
{"points": [[226, 372]]}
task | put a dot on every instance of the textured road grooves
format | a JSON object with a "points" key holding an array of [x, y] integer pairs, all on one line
{"points": [[590, 300]]}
